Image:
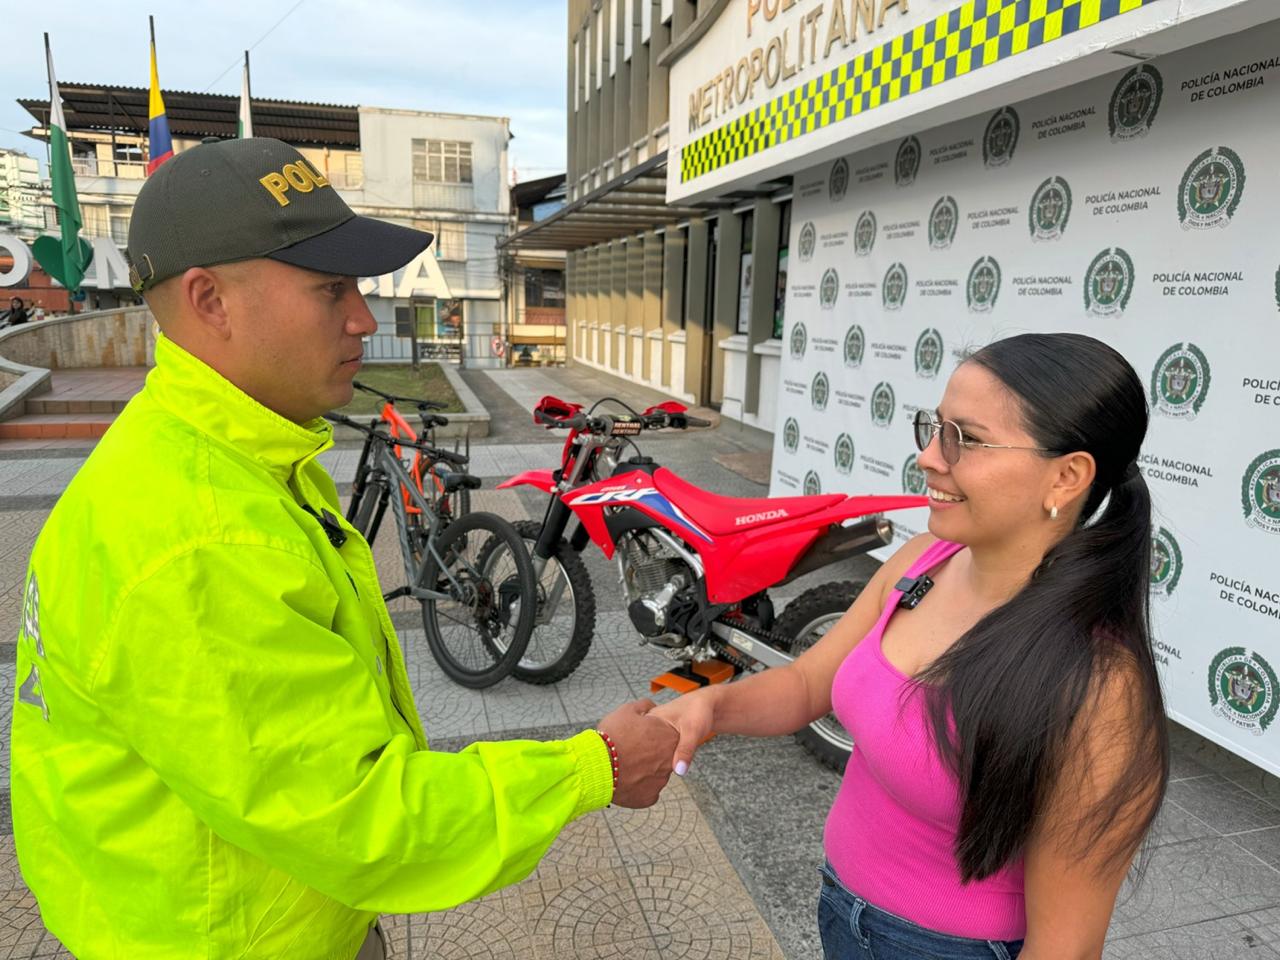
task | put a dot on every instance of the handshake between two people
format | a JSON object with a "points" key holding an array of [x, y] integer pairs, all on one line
{"points": [[653, 742]]}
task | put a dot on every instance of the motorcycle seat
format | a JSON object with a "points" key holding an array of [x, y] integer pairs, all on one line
{"points": [[725, 515]]}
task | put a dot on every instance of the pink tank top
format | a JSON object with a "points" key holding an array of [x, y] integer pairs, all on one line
{"points": [[890, 835]]}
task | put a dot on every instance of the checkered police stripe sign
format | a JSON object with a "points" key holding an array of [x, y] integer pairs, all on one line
{"points": [[976, 34]]}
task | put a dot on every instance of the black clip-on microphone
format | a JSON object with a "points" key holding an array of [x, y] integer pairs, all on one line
{"points": [[913, 590]]}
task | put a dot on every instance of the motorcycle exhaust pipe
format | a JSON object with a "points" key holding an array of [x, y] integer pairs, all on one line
{"points": [[841, 543]]}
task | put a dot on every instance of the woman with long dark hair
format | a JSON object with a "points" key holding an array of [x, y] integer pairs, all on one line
{"points": [[1010, 751]]}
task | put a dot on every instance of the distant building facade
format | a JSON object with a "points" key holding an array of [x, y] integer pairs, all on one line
{"points": [[445, 173], [534, 281], [19, 193]]}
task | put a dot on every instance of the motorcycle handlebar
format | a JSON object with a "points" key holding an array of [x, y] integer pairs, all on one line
{"points": [[606, 424]]}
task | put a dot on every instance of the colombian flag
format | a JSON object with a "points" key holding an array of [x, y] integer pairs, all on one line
{"points": [[161, 142]]}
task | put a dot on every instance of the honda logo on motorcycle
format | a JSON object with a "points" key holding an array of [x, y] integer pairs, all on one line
{"points": [[760, 517]]}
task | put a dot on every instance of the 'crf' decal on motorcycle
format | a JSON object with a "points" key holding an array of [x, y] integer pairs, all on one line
{"points": [[612, 495], [653, 499]]}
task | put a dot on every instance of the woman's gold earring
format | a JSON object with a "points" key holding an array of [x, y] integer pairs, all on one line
{"points": [[1053, 513]]}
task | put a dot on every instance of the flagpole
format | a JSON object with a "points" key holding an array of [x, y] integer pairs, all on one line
{"points": [[152, 22], [248, 95], [48, 117]]}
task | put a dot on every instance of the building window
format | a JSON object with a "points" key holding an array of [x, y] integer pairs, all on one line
{"points": [[746, 273], [780, 297], [450, 241], [120, 228], [52, 218], [94, 221], [543, 288], [346, 171], [441, 161]]}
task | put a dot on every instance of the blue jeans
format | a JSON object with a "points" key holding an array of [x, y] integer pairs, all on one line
{"points": [[853, 929]]}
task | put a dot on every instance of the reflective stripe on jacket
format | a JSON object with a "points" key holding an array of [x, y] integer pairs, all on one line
{"points": [[215, 751]]}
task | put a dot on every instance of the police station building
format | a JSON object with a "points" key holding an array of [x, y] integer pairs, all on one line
{"points": [[805, 211]]}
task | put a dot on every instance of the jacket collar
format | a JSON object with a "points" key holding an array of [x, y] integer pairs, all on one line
{"points": [[194, 392]]}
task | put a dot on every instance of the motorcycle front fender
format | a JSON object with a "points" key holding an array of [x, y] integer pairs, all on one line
{"points": [[543, 480]]}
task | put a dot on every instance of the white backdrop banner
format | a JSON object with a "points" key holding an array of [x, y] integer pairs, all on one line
{"points": [[1140, 208]]}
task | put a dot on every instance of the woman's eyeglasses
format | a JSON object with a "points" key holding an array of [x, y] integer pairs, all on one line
{"points": [[953, 439]]}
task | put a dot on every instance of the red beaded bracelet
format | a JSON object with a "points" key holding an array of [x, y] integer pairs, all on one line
{"points": [[613, 756]]}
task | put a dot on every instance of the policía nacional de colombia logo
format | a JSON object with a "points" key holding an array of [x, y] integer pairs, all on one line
{"points": [[1135, 103], [864, 234], [1211, 189], [893, 289], [928, 354], [906, 162], [1001, 137], [799, 341], [1180, 381], [812, 484], [820, 391], [838, 181], [1108, 284], [808, 240], [1243, 689], [942, 223], [1166, 563], [882, 404], [842, 453], [855, 344], [791, 435], [1050, 210], [913, 480], [829, 289], [1260, 492], [983, 287]]}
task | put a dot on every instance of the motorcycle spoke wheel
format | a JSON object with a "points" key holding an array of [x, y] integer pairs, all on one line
{"points": [[566, 612], [806, 620]]}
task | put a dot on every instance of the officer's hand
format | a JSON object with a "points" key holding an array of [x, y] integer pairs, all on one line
{"points": [[645, 745]]}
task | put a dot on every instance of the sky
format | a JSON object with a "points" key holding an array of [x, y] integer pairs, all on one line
{"points": [[493, 57]]}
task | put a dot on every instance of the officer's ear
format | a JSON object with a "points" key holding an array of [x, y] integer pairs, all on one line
{"points": [[203, 292]]}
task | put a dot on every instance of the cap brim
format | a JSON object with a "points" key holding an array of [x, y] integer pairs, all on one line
{"points": [[359, 247]]}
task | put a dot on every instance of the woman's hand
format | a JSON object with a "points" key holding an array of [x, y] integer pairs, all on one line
{"points": [[693, 716]]}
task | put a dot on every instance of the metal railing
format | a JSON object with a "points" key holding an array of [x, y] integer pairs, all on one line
{"points": [[124, 169]]}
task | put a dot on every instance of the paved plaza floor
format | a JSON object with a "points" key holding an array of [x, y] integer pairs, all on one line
{"points": [[726, 865]]}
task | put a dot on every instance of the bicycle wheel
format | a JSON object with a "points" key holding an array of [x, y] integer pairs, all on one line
{"points": [[373, 504], [480, 630], [566, 619]]}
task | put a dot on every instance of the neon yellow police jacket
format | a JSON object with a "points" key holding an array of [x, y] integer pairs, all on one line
{"points": [[215, 752]]}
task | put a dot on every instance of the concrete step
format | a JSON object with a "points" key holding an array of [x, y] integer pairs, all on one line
{"points": [[52, 426], [40, 405]]}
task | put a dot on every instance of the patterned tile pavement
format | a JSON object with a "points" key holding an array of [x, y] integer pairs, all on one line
{"points": [[719, 868]]}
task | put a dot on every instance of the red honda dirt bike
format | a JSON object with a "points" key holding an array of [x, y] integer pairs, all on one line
{"points": [[696, 567]]}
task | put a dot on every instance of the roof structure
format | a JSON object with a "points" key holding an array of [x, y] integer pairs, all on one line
{"points": [[529, 192], [196, 115], [631, 203]]}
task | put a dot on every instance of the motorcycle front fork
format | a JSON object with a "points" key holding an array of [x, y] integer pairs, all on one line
{"points": [[554, 522]]}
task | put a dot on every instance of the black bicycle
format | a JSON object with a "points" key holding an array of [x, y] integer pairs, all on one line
{"points": [[472, 574]]}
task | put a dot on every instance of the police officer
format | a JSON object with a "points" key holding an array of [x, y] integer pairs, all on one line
{"points": [[215, 750]]}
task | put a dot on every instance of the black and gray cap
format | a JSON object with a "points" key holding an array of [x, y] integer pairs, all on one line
{"points": [[242, 199]]}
